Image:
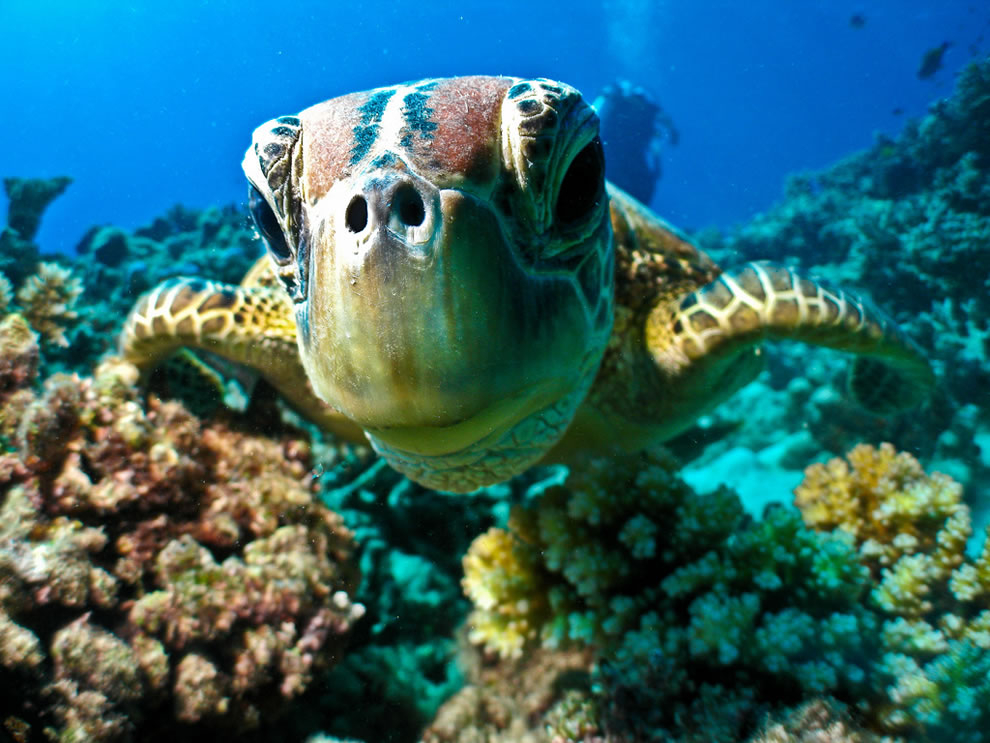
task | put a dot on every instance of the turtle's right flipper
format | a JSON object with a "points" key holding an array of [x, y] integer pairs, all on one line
{"points": [[760, 301], [250, 325]]}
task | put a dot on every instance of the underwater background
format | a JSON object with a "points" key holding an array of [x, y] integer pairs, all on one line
{"points": [[181, 555]]}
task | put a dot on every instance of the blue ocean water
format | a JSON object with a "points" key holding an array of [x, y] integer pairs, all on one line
{"points": [[149, 104]]}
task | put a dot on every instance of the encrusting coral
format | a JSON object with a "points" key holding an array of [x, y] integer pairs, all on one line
{"points": [[157, 573]]}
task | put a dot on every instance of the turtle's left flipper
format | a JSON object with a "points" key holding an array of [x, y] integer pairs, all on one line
{"points": [[708, 329]]}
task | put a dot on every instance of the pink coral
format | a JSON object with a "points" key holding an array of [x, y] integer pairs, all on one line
{"points": [[195, 555]]}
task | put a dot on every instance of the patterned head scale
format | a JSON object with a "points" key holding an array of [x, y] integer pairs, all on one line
{"points": [[448, 248]]}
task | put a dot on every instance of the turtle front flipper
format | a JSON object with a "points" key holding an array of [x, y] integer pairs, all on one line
{"points": [[250, 325], [701, 337]]}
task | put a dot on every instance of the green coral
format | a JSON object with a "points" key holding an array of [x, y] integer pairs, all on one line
{"points": [[675, 589], [933, 601], [707, 621]]}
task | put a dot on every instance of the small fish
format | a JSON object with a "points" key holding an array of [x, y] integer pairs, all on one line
{"points": [[898, 111], [857, 20], [931, 61]]}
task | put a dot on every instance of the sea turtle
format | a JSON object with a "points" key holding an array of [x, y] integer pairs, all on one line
{"points": [[450, 275]]}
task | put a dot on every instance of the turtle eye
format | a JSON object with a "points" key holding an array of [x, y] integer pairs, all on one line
{"points": [[583, 185], [268, 226]]}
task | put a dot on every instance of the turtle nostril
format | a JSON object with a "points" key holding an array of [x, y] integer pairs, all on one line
{"points": [[409, 206], [356, 216]]}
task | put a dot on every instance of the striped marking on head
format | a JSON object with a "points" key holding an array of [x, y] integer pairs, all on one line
{"points": [[445, 129]]}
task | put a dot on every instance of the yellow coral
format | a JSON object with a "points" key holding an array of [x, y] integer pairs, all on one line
{"points": [[887, 502], [500, 573], [46, 300], [911, 530]]}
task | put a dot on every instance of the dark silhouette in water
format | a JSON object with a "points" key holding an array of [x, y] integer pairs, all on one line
{"points": [[857, 20], [632, 125], [931, 61]]}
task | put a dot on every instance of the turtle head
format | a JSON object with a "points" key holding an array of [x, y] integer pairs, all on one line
{"points": [[448, 247]]}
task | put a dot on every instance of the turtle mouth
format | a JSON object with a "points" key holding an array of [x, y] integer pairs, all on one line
{"points": [[489, 424], [504, 452]]}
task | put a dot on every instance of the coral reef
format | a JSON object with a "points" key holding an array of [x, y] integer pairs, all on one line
{"points": [[46, 300], [911, 531], [162, 574], [703, 621], [116, 266], [47, 291], [157, 573], [905, 222], [889, 505], [113, 265], [27, 200]]}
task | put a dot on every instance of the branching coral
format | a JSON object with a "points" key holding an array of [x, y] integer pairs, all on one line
{"points": [[151, 562], [889, 505], [6, 293], [700, 619], [582, 555], [911, 531], [46, 299]]}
